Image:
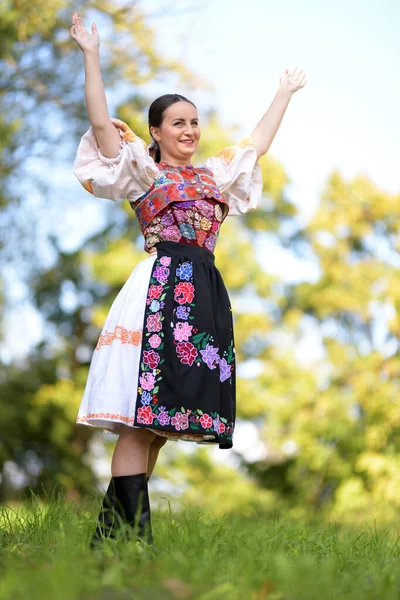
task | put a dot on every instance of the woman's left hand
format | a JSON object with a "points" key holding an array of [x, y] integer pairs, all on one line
{"points": [[292, 80]]}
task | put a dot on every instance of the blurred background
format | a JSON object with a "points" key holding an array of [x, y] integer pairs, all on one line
{"points": [[315, 286]]}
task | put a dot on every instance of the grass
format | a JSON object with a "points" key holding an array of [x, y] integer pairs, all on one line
{"points": [[44, 555]]}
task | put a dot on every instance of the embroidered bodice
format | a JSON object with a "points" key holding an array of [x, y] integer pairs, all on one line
{"points": [[185, 204], [195, 222]]}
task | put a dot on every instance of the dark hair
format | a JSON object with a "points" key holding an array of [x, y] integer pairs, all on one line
{"points": [[156, 114]]}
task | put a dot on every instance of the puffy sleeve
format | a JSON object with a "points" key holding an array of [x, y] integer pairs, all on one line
{"points": [[238, 176], [128, 175]]}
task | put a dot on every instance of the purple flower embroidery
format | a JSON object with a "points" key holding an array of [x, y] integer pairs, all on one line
{"points": [[187, 204], [210, 242], [216, 423], [185, 271], [171, 233], [167, 219], [161, 273], [206, 208], [163, 418], [182, 312], [224, 370], [180, 215], [210, 356]]}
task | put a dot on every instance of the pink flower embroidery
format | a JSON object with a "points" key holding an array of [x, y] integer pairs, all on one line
{"points": [[165, 261], [155, 341], [147, 381], [171, 233], [180, 421], [153, 322], [183, 331]]}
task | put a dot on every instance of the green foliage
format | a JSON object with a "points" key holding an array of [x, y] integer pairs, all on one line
{"points": [[196, 555]]}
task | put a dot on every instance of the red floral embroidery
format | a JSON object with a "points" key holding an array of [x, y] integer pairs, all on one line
{"points": [[201, 236], [206, 421], [191, 191], [184, 292], [175, 194], [186, 352], [144, 415], [151, 358], [155, 291]]}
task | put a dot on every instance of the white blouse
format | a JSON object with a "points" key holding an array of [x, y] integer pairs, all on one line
{"points": [[131, 173]]}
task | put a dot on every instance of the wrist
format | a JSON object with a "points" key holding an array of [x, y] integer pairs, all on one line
{"points": [[284, 92], [92, 52]]}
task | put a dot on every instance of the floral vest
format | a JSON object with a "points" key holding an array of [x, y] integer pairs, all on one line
{"points": [[176, 184]]}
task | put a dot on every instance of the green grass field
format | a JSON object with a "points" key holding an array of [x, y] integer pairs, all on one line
{"points": [[44, 555]]}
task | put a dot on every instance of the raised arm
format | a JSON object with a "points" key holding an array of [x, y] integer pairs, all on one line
{"points": [[106, 134], [263, 135]]}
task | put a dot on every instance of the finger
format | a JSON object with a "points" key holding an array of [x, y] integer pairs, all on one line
{"points": [[296, 73], [80, 24]]}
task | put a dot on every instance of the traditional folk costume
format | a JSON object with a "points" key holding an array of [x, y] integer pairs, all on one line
{"points": [[165, 359]]}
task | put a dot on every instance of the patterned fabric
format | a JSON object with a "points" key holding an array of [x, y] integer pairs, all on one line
{"points": [[178, 185], [187, 369], [234, 173], [196, 222]]}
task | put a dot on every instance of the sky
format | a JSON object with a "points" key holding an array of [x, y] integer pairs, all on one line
{"points": [[345, 117]]}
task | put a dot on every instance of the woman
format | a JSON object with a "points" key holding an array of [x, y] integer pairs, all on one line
{"points": [[164, 366]]}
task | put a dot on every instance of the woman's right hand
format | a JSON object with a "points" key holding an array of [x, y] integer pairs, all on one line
{"points": [[87, 42]]}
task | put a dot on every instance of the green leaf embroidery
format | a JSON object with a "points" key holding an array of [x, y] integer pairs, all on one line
{"points": [[196, 338]]}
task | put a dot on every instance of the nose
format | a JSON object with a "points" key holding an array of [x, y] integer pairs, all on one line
{"points": [[188, 130]]}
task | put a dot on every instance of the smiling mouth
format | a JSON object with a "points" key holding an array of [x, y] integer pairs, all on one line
{"points": [[187, 142]]}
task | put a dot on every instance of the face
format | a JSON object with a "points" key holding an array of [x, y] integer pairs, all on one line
{"points": [[179, 133]]}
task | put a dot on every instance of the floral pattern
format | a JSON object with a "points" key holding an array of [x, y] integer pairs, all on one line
{"points": [[195, 222], [126, 336], [192, 348], [200, 346]]}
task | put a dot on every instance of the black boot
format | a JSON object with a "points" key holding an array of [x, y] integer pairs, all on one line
{"points": [[133, 494], [108, 515], [126, 501]]}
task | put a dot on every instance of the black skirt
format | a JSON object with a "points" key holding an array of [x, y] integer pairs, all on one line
{"points": [[187, 372]]}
